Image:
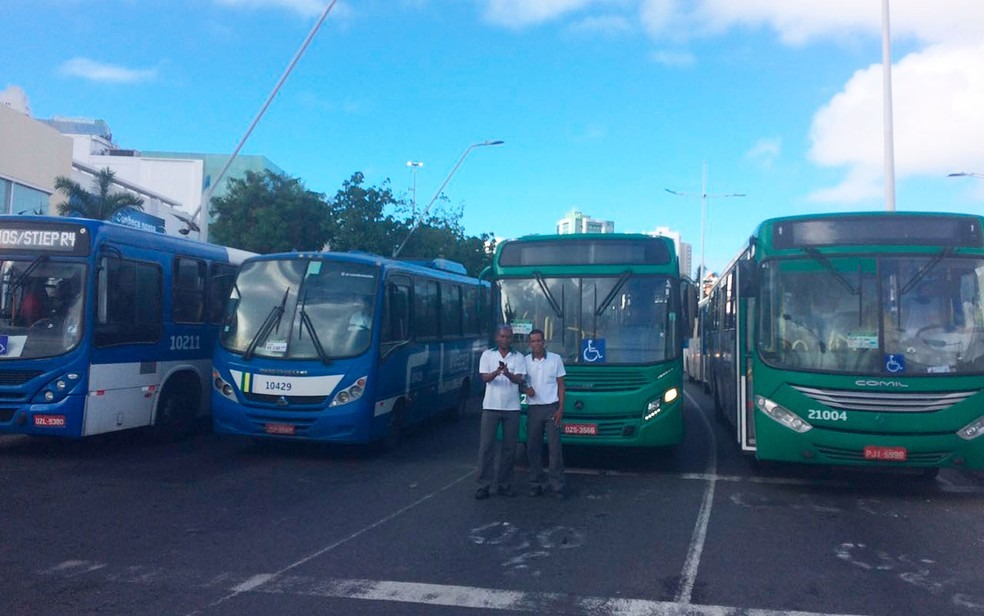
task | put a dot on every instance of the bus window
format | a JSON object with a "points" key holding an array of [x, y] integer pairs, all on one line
{"points": [[131, 294], [426, 309], [220, 282], [450, 310], [188, 291], [396, 316]]}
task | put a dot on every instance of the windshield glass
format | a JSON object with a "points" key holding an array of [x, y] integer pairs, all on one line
{"points": [[40, 308], [301, 309], [901, 315], [600, 320]]}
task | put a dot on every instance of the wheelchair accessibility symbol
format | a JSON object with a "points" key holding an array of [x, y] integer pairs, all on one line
{"points": [[895, 363], [593, 351], [4, 341]]}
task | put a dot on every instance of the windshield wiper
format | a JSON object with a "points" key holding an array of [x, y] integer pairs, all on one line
{"points": [[822, 260], [306, 323], [550, 298], [924, 270], [27, 272], [271, 321], [611, 294]]}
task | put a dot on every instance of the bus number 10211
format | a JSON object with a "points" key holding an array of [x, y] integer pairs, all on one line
{"points": [[186, 343]]}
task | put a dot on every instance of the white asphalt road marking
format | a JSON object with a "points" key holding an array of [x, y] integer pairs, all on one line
{"points": [[444, 595]]}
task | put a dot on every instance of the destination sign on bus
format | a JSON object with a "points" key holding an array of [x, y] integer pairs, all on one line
{"points": [[602, 251], [907, 230], [62, 239]]}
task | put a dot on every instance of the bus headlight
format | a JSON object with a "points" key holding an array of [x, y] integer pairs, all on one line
{"points": [[652, 410], [782, 415], [57, 388], [222, 386], [671, 394], [972, 430], [349, 394]]}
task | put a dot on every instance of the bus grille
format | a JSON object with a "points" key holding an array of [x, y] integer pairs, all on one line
{"points": [[885, 402], [857, 455], [606, 381], [6, 415], [315, 401], [17, 377]]}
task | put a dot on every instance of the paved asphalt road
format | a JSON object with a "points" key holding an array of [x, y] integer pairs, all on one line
{"points": [[219, 527]]}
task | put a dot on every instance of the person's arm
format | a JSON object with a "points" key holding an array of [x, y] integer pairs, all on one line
{"points": [[489, 376], [561, 393]]}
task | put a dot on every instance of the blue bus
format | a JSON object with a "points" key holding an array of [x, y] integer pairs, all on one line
{"points": [[105, 327], [346, 347]]}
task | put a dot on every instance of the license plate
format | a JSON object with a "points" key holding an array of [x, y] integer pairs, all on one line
{"points": [[891, 454], [581, 429], [287, 429], [49, 421]]}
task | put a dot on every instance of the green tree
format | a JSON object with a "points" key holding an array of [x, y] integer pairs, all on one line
{"points": [[98, 205], [269, 212], [362, 217], [442, 235]]}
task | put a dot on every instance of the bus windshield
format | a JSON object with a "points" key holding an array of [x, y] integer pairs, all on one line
{"points": [[301, 309], [40, 307], [634, 315], [902, 315]]}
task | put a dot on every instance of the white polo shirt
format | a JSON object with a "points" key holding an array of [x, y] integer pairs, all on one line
{"points": [[542, 375], [501, 394]]}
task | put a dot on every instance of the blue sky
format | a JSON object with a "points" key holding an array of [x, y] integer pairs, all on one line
{"points": [[602, 104]]}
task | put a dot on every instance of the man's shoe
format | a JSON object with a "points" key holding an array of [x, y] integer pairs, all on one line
{"points": [[481, 493], [536, 490], [507, 492]]}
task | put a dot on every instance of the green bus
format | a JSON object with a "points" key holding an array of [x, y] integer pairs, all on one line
{"points": [[854, 339], [616, 310]]}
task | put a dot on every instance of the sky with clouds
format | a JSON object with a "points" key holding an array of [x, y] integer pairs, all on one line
{"points": [[602, 104]]}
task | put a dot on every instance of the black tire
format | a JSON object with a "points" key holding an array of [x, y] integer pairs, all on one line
{"points": [[930, 473], [395, 429], [460, 407], [177, 410]]}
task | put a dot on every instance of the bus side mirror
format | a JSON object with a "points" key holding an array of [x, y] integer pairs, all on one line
{"points": [[747, 278]]}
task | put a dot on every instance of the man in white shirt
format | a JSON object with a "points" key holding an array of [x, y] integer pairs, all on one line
{"points": [[545, 410], [503, 371]]}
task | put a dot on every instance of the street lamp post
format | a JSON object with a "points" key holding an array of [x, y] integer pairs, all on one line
{"points": [[964, 174], [414, 165], [416, 222], [703, 217]]}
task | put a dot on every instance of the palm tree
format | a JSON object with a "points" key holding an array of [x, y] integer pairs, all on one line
{"points": [[99, 205]]}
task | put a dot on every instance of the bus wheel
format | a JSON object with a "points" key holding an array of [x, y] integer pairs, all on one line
{"points": [[460, 404], [394, 429], [177, 410]]}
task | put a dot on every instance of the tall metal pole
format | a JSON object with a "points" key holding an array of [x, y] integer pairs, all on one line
{"points": [[704, 196], [414, 165], [207, 194], [416, 222], [887, 113]]}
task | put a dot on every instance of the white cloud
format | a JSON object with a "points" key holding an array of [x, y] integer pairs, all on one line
{"points": [[15, 98], [603, 25], [302, 7], [937, 99], [802, 22], [107, 73], [673, 59], [765, 151], [523, 13]]}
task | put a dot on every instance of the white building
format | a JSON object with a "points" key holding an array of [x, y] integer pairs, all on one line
{"points": [[32, 155], [683, 249], [577, 222]]}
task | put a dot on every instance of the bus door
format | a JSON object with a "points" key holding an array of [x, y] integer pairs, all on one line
{"points": [[745, 290]]}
